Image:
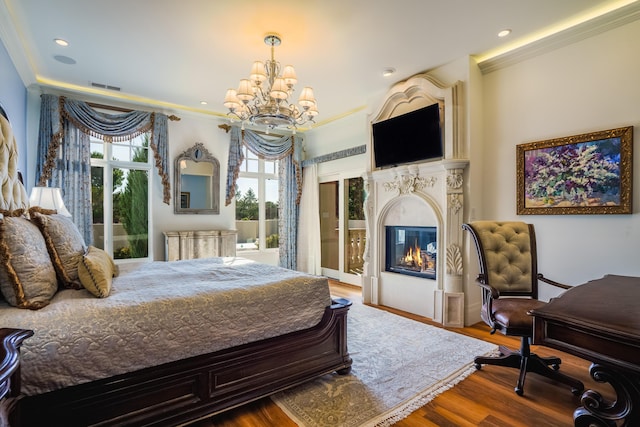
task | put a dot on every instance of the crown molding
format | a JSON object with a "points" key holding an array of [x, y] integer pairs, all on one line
{"points": [[590, 28]]}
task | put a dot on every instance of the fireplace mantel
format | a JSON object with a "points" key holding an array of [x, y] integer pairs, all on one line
{"points": [[419, 194]]}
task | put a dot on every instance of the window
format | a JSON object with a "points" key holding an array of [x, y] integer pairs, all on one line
{"points": [[119, 196], [257, 204]]}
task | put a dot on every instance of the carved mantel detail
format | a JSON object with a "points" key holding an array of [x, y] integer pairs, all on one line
{"points": [[454, 260], [407, 184], [455, 204], [454, 179]]}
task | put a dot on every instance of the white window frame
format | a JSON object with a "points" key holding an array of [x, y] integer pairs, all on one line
{"points": [[262, 177], [108, 165]]}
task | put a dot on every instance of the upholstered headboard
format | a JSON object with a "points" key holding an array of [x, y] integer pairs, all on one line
{"points": [[12, 193]]}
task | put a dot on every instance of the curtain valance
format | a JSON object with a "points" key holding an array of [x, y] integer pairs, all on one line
{"points": [[264, 148], [108, 127]]}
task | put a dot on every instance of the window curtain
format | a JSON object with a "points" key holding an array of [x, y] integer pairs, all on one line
{"points": [[63, 155], [288, 150], [309, 241]]}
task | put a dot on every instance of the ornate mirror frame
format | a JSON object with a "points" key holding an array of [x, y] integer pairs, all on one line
{"points": [[199, 154]]}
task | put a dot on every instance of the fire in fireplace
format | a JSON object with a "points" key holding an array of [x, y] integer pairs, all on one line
{"points": [[411, 250]]}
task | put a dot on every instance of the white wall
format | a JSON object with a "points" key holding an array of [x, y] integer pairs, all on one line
{"points": [[350, 131], [183, 134], [591, 85]]}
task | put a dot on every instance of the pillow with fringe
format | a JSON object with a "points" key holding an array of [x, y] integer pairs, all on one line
{"points": [[96, 271], [64, 243], [27, 277]]}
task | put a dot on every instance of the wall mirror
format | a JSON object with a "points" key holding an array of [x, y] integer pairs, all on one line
{"points": [[197, 182]]}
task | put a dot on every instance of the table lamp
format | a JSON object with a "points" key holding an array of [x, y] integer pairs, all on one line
{"points": [[48, 198]]}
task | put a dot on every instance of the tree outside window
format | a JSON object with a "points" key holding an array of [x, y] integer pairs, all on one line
{"points": [[121, 222], [257, 204]]}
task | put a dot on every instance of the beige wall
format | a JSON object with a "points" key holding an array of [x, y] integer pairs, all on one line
{"points": [[588, 86]]}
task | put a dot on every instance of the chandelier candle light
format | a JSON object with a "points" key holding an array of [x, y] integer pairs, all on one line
{"points": [[263, 98]]}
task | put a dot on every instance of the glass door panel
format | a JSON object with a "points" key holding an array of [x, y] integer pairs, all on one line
{"points": [[330, 227], [355, 234]]}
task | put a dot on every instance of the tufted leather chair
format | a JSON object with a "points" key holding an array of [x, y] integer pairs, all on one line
{"points": [[13, 194], [509, 281]]}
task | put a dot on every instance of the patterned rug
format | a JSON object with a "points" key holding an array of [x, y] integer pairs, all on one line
{"points": [[398, 366]]}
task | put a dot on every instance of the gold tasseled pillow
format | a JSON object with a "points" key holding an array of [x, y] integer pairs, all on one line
{"points": [[96, 271], [64, 242], [27, 277]]}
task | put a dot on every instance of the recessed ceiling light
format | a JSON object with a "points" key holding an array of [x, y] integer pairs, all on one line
{"points": [[61, 42], [504, 33], [388, 71], [203, 102]]}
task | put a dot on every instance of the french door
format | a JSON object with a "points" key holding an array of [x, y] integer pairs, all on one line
{"points": [[342, 229]]}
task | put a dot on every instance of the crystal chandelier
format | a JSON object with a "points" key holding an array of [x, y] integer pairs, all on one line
{"points": [[263, 98]]}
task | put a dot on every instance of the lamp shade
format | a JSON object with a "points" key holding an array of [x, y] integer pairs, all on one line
{"points": [[258, 72], [231, 100], [48, 198], [313, 110], [245, 90], [306, 97], [289, 75], [279, 89]]}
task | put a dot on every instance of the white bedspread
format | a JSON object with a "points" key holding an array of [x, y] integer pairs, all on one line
{"points": [[161, 312]]}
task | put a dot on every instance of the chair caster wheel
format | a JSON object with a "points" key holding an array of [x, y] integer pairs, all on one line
{"points": [[555, 366], [519, 391], [478, 366]]}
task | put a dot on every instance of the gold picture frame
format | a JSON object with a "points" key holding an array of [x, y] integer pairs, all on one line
{"points": [[582, 174]]}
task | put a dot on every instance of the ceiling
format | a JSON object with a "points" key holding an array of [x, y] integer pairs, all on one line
{"points": [[175, 54]]}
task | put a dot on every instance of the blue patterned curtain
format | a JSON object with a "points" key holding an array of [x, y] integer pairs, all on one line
{"points": [[63, 155], [288, 150]]}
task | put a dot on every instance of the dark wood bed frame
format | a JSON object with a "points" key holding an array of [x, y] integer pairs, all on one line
{"points": [[188, 390]]}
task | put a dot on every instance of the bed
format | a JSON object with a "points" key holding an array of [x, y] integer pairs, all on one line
{"points": [[193, 338]]}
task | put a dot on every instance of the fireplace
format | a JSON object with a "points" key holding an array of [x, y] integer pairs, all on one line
{"points": [[411, 251], [428, 199]]}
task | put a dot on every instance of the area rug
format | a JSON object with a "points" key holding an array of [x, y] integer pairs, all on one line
{"points": [[399, 365]]}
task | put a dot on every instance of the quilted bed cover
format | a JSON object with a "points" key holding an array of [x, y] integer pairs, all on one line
{"points": [[162, 312]]}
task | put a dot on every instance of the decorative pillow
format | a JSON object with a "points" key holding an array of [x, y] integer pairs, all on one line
{"points": [[27, 276], [64, 242], [96, 271]]}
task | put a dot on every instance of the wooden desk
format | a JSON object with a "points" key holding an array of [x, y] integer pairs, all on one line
{"points": [[599, 321]]}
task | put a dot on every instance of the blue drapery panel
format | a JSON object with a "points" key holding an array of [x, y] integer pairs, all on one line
{"points": [[290, 187], [63, 154], [288, 150]]}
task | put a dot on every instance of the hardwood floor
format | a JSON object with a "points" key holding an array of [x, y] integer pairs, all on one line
{"points": [[486, 398]]}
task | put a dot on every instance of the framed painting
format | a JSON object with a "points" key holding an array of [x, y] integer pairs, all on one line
{"points": [[581, 174]]}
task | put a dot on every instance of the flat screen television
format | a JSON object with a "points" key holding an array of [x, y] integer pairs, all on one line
{"points": [[410, 137]]}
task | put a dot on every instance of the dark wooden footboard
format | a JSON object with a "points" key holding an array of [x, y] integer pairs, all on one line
{"points": [[191, 389]]}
